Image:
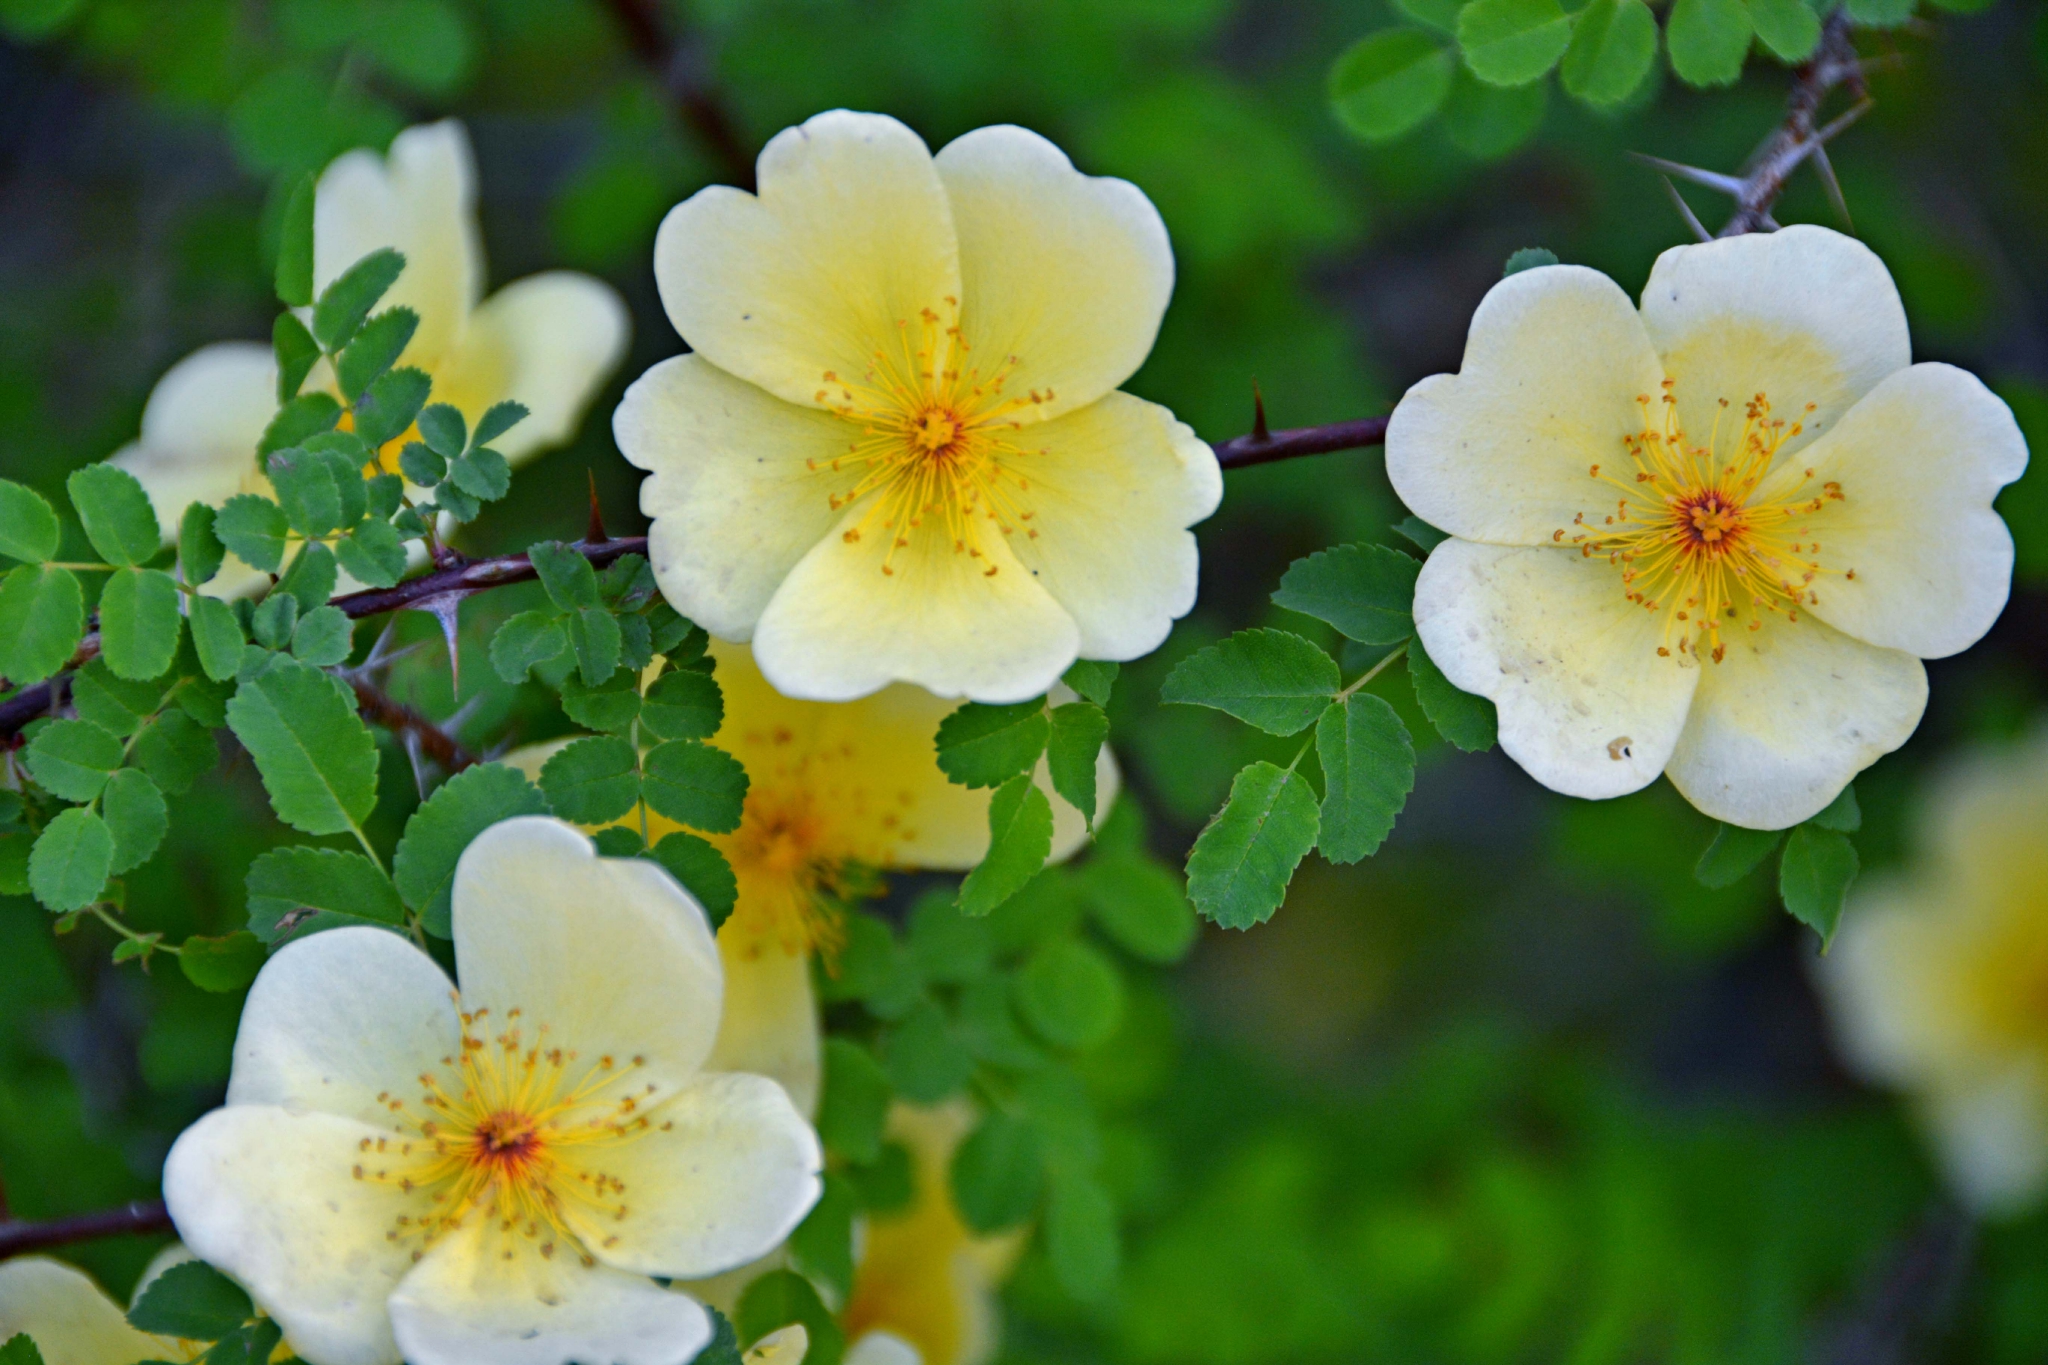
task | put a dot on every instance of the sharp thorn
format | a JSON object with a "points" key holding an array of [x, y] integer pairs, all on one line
{"points": [[443, 608], [463, 713], [1843, 120], [1692, 219], [596, 535], [1826, 170], [1770, 224], [1260, 431], [410, 741], [1713, 180]]}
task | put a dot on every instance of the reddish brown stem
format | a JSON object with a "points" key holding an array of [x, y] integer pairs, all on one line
{"points": [[684, 75], [18, 1236]]}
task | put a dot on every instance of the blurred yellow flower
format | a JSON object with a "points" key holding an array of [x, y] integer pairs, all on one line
{"points": [[1713, 538], [549, 341], [73, 1321], [834, 791], [1937, 983], [405, 1171], [898, 452]]}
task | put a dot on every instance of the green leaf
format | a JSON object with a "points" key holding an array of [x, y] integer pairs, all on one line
{"points": [[116, 705], [596, 641], [191, 1300], [498, 419], [250, 1344], [1020, 840], [1487, 121], [390, 404], [525, 641], [1441, 15], [316, 757], [72, 859], [822, 1245], [1707, 40], [683, 704], [139, 622], [1814, 877], [1466, 720], [222, 965], [306, 490], [1140, 905], [1092, 679], [854, 1104], [72, 759], [175, 751], [444, 430], [945, 945], [1273, 679], [483, 474], [375, 349], [295, 251], [312, 576], [1789, 28], [694, 784], [1078, 731], [136, 816], [254, 530], [20, 1349], [1388, 82], [985, 746], [1513, 42], [1882, 13], [28, 524], [1070, 994], [782, 1297], [1614, 44], [419, 463], [998, 1174], [1365, 591], [1368, 771], [200, 551], [1842, 815], [1734, 854], [323, 637], [345, 303], [1527, 258], [42, 618], [1242, 861], [15, 847], [1081, 1237], [373, 554], [463, 807], [118, 518], [274, 619], [297, 353], [925, 1058], [1414, 529], [570, 581], [611, 708], [592, 781], [307, 416], [703, 871], [301, 888]]}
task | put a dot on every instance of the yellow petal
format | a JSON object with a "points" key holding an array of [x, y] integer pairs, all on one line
{"points": [[788, 1346], [553, 340], [609, 954], [200, 428], [420, 199], [1067, 273], [1502, 450], [1792, 713], [740, 486], [1919, 460], [1802, 315], [487, 1294], [1586, 704], [849, 236], [770, 1024], [1113, 489], [883, 1348], [71, 1319]]}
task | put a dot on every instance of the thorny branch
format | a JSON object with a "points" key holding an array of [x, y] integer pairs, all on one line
{"points": [[19, 1235], [684, 72], [1795, 142]]}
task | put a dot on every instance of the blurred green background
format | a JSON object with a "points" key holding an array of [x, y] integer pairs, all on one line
{"points": [[1518, 1088]]}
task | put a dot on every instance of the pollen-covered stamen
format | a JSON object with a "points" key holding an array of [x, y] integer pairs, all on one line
{"points": [[937, 443], [520, 1143], [1693, 535]]}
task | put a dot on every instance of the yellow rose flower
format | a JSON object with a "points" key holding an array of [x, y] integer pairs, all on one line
{"points": [[1937, 983], [549, 341], [402, 1170], [1713, 538], [73, 1321], [898, 452], [832, 789]]}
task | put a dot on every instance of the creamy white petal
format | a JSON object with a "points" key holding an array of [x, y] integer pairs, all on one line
{"points": [[1065, 272], [558, 337], [1586, 705], [421, 199], [70, 1318], [785, 1346], [883, 1348], [337, 1018], [839, 628], [1788, 717], [200, 428], [1991, 1134], [1113, 488], [1919, 459], [1887, 980], [1502, 451], [609, 954], [485, 1294], [770, 1024], [850, 236], [727, 1171], [734, 501], [1802, 315], [271, 1198]]}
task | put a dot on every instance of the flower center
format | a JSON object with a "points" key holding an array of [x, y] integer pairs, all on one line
{"points": [[518, 1142], [790, 891], [936, 450], [1694, 534]]}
